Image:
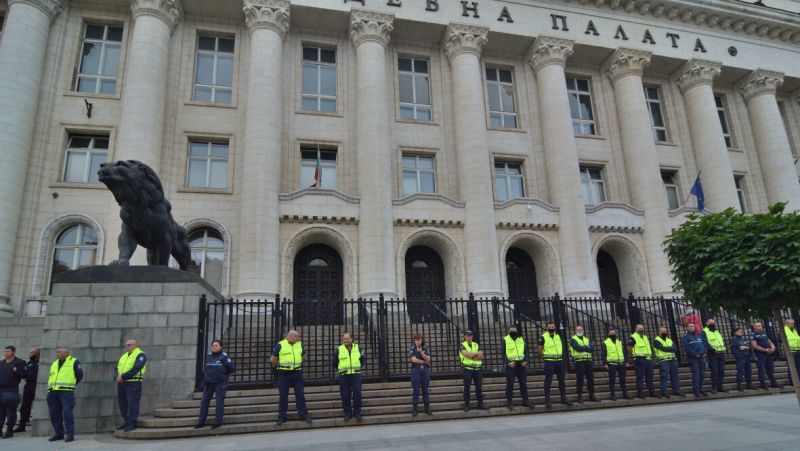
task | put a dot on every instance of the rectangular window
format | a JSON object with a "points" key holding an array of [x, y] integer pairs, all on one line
{"points": [[580, 104], [213, 70], [84, 154], [670, 190], [500, 88], [509, 183], [653, 97], [415, 93], [419, 174], [741, 192], [592, 186], [99, 64], [318, 167], [319, 79], [723, 120], [208, 164]]}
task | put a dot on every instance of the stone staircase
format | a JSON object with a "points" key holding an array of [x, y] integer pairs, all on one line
{"points": [[255, 410]]}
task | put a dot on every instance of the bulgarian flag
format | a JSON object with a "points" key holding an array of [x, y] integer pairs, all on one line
{"points": [[317, 173]]}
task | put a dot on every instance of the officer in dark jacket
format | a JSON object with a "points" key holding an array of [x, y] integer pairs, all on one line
{"points": [[765, 351], [743, 352], [215, 380], [695, 348], [29, 392], [12, 371]]}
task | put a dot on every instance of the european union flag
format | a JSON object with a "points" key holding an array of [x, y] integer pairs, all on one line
{"points": [[697, 191]]}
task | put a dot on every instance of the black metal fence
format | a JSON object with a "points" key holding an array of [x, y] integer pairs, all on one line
{"points": [[384, 330]]}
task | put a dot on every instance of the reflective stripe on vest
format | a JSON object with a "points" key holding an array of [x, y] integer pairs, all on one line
{"points": [[553, 347], [349, 361], [291, 356], [62, 379], [615, 354], [664, 356], [715, 340], [793, 338], [580, 355], [467, 362], [515, 349], [126, 363], [641, 346]]}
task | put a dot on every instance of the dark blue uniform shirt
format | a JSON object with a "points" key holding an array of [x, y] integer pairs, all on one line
{"points": [[736, 342], [412, 352], [761, 339], [10, 378], [694, 345], [218, 366]]}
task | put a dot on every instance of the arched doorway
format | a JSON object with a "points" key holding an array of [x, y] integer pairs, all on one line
{"points": [[522, 288], [318, 293], [610, 287], [425, 285]]}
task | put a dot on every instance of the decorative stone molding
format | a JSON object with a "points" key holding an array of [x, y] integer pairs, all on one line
{"points": [[615, 229], [319, 192], [625, 62], [686, 209], [271, 14], [51, 8], [697, 72], [166, 10], [500, 205], [547, 50], [305, 219], [323, 235], [617, 205], [461, 38], [428, 223], [760, 82], [370, 26], [208, 223], [428, 196], [455, 275], [526, 226]]}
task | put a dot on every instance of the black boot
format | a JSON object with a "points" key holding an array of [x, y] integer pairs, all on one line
{"points": [[739, 387], [428, 410], [547, 403], [654, 394], [466, 407], [510, 405], [580, 398], [482, 406], [592, 398], [565, 401], [640, 394], [613, 396], [749, 387], [9, 433], [20, 428], [413, 411]]}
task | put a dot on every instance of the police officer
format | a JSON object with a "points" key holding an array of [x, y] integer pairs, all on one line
{"points": [[218, 367], [419, 354], [743, 352], [551, 350], [65, 375], [695, 348], [349, 358], [793, 338], [515, 358], [288, 356], [12, 372], [715, 349], [581, 350], [471, 358], [666, 354], [129, 374], [29, 392], [613, 357], [639, 347], [765, 354]]}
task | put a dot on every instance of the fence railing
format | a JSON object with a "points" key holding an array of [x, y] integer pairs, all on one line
{"points": [[385, 328]]}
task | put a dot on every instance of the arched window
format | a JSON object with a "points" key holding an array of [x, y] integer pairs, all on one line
{"points": [[208, 255], [76, 247]]}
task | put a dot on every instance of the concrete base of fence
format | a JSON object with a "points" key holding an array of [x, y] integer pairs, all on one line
{"points": [[94, 310]]}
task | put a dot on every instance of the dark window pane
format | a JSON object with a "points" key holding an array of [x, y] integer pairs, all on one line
{"points": [[114, 34], [718, 101], [328, 56], [205, 43], [308, 154], [586, 107], [571, 83], [421, 66], [652, 93], [226, 45], [491, 74], [94, 31], [310, 54], [101, 143], [78, 141], [658, 121], [404, 64], [661, 135], [327, 155], [583, 85], [505, 76]]}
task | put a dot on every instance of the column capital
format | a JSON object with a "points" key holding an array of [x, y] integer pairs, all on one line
{"points": [[166, 10], [697, 72], [368, 25], [462, 38], [547, 50], [626, 62], [50, 8], [272, 14], [759, 82]]}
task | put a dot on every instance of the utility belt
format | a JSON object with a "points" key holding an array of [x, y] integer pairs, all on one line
{"points": [[61, 388], [471, 367], [552, 358]]}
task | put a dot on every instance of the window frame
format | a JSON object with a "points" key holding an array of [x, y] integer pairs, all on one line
{"points": [[98, 78], [216, 35], [581, 122], [208, 159], [498, 84], [414, 75], [659, 103], [741, 192], [725, 120], [674, 185], [417, 170], [89, 152], [586, 178], [76, 248], [318, 148], [205, 249], [507, 176], [318, 64]]}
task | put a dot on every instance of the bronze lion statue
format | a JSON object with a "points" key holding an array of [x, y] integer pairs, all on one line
{"points": [[146, 215]]}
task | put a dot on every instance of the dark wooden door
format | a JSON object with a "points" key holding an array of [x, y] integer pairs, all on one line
{"points": [[610, 287], [318, 286], [425, 285], [522, 288]]}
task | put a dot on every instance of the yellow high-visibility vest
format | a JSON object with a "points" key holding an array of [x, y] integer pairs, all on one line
{"points": [[62, 379], [552, 349], [793, 338], [126, 363], [664, 356], [291, 356], [515, 349], [715, 340], [580, 355], [615, 354], [641, 346], [467, 362], [349, 360]]}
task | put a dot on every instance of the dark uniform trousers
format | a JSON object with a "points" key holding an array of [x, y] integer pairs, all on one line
{"points": [[668, 372], [614, 372], [471, 376], [420, 381], [766, 368], [554, 367], [644, 371], [716, 360], [60, 403], [218, 391], [520, 373], [28, 395], [9, 400], [584, 369], [128, 396], [291, 379], [744, 370], [350, 391], [697, 366], [796, 356]]}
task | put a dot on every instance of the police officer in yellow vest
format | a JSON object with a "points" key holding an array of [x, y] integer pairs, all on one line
{"points": [[715, 347], [581, 350], [349, 359], [471, 358], [793, 338], [65, 375], [667, 356], [515, 358], [129, 374], [551, 349], [639, 347], [613, 358], [288, 356]]}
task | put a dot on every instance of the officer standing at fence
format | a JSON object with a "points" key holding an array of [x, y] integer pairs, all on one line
{"points": [[216, 370], [642, 352], [349, 359], [793, 338], [65, 375], [515, 358], [29, 392], [12, 372], [613, 358], [743, 352], [129, 374], [581, 350], [715, 347], [551, 349], [419, 354], [667, 356], [471, 358], [765, 355], [695, 348], [288, 356]]}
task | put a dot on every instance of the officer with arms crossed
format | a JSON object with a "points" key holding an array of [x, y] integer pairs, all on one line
{"points": [[581, 350], [515, 357], [695, 348], [215, 381], [420, 357], [349, 359], [12, 372], [743, 352], [289, 355], [471, 358], [642, 352], [65, 375], [667, 356], [129, 374], [715, 348], [614, 361], [29, 393], [551, 349], [765, 354]]}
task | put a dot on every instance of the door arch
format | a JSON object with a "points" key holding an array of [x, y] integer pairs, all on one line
{"points": [[522, 288], [318, 286], [425, 284], [610, 288]]}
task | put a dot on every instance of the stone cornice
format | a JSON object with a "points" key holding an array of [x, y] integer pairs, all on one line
{"points": [[318, 192], [461, 38], [760, 82], [697, 72], [547, 50], [416, 222], [50, 8], [614, 205], [428, 196], [166, 10], [500, 205], [271, 14], [372, 26], [322, 219], [625, 62]]}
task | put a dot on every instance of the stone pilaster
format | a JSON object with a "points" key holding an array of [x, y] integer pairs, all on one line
{"points": [[22, 53], [772, 142], [695, 79], [463, 45], [548, 57], [370, 32], [259, 260], [625, 67]]}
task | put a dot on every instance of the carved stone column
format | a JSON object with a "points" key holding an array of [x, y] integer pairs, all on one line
{"points": [[579, 270]]}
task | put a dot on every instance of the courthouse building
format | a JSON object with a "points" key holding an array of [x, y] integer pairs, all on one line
{"points": [[321, 149]]}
